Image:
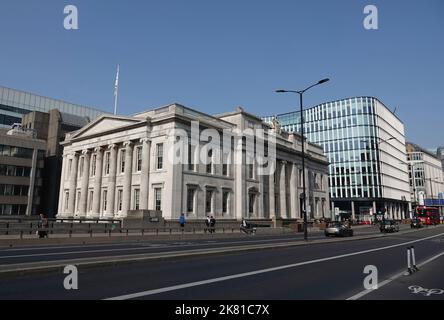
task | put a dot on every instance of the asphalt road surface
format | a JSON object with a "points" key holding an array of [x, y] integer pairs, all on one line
{"points": [[314, 271]]}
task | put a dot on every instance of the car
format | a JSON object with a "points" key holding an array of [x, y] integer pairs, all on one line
{"points": [[416, 223], [338, 229], [389, 226]]}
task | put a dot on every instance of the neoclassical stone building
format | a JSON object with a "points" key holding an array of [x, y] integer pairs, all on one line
{"points": [[117, 164]]}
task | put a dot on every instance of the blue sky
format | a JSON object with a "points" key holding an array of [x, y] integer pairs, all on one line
{"points": [[217, 55]]}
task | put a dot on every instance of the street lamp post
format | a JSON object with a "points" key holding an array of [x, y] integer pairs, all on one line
{"points": [[304, 195]]}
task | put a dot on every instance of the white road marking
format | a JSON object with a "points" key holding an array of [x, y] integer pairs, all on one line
{"points": [[262, 271], [397, 276]]}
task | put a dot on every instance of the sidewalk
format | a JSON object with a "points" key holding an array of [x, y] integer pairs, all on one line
{"points": [[116, 237]]}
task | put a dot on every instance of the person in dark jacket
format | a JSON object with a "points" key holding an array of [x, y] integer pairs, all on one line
{"points": [[43, 227], [212, 224], [182, 221]]}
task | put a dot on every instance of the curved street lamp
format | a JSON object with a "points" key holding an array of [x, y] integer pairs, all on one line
{"points": [[304, 196]]}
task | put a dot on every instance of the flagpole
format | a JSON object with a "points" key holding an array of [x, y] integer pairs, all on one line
{"points": [[116, 90]]}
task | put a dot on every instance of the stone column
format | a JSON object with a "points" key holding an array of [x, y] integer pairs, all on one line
{"points": [[145, 176], [126, 201], [73, 184], [294, 192], [261, 210], [271, 194], [84, 185], [97, 182], [61, 208], [283, 190], [111, 181], [240, 193]]}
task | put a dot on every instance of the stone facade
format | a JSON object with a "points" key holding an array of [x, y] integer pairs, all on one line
{"points": [[117, 164]]}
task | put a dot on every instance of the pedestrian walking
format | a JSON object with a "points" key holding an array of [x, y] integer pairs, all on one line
{"points": [[207, 224], [43, 227], [212, 224], [182, 221]]}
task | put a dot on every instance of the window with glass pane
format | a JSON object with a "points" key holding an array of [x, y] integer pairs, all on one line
{"points": [[139, 159], [105, 200], [190, 158], [190, 199], [209, 201], [107, 163], [159, 153], [136, 199], [251, 202], [122, 161], [225, 197], [119, 200], [210, 162], [158, 199], [93, 165]]}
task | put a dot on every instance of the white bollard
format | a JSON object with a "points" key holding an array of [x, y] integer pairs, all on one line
{"points": [[415, 268], [409, 266]]}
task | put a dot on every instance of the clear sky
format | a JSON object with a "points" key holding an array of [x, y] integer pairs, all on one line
{"points": [[215, 55]]}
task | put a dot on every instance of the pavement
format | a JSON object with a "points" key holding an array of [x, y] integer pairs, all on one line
{"points": [[273, 268]]}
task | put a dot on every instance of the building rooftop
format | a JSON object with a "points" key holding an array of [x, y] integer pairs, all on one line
{"points": [[333, 101]]}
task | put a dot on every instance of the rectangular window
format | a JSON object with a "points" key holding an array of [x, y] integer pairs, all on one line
{"points": [[139, 160], [210, 162], [91, 197], [107, 162], [104, 200], [159, 156], [225, 170], [225, 197], [66, 200], [78, 201], [250, 171], [209, 201], [122, 161], [158, 199], [93, 165], [190, 158], [190, 199], [136, 199], [82, 161], [119, 200], [251, 202]]}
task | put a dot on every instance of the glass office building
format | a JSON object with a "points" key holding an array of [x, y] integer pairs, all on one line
{"points": [[365, 145], [14, 104]]}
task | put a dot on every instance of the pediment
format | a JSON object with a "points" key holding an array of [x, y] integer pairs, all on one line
{"points": [[105, 124]]}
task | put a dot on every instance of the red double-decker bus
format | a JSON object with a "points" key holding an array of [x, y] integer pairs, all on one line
{"points": [[428, 215]]}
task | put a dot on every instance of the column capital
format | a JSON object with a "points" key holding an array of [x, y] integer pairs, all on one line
{"points": [[283, 161], [112, 146], [74, 154], [98, 149], [145, 140], [86, 151], [128, 144]]}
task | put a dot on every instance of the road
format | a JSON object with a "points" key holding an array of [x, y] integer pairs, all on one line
{"points": [[314, 271]]}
